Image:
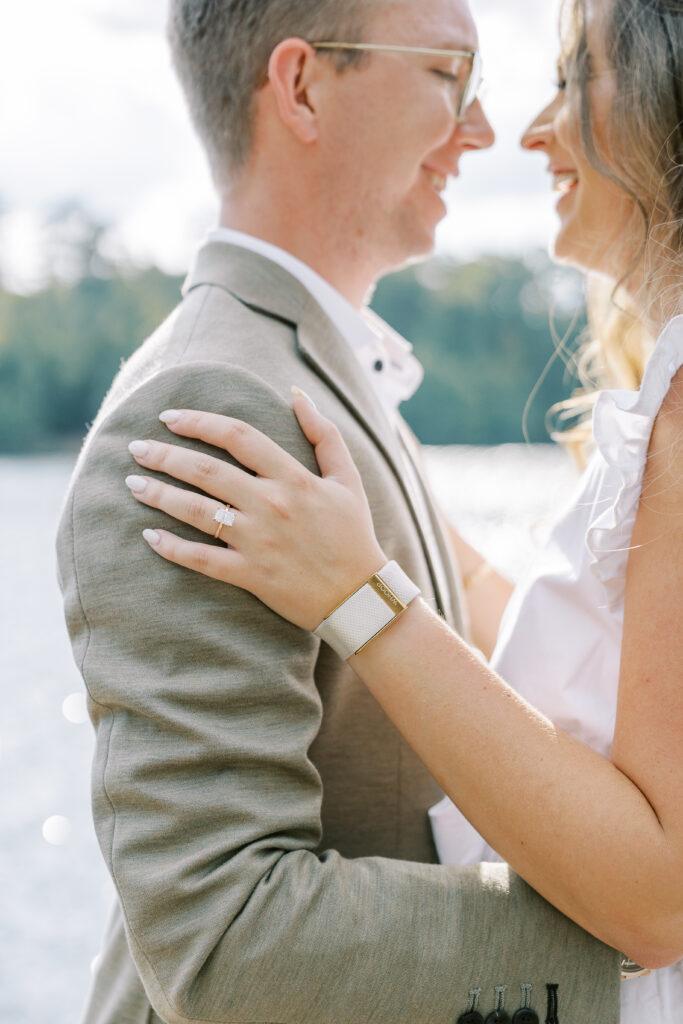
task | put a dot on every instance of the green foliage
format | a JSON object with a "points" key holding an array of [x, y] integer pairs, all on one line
{"points": [[61, 347], [482, 331]]}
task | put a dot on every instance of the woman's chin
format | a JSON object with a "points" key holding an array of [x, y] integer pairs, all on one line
{"points": [[588, 258], [610, 250], [567, 252], [563, 253]]}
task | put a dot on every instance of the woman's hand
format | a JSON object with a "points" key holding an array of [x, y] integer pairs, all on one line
{"points": [[300, 543]]}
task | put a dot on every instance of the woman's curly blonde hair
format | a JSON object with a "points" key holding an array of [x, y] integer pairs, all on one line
{"points": [[644, 42]]}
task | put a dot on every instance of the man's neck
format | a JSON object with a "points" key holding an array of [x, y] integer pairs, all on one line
{"points": [[333, 259]]}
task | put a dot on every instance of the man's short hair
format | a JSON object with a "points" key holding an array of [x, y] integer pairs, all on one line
{"points": [[221, 50]]}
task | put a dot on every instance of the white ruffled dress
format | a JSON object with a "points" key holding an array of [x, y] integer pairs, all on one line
{"points": [[560, 639]]}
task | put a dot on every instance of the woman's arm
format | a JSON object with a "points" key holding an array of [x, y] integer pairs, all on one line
{"points": [[601, 839], [486, 592]]}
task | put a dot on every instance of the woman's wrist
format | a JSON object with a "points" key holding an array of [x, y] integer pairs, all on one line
{"points": [[368, 611], [481, 571]]}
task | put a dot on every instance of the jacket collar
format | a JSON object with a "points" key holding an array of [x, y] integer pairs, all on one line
{"points": [[268, 288]]}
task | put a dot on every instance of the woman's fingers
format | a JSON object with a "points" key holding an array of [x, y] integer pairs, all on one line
{"points": [[334, 458], [223, 564], [187, 506], [215, 476], [247, 445], [285, 515]]}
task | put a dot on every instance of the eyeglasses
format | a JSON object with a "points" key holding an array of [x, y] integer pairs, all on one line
{"points": [[465, 85]]}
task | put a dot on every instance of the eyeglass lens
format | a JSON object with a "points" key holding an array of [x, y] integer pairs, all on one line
{"points": [[473, 85]]}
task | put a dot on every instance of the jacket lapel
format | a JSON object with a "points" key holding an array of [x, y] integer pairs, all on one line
{"points": [[434, 527], [338, 367], [271, 290]]}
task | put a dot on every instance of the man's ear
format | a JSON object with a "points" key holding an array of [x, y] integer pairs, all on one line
{"points": [[293, 72]]}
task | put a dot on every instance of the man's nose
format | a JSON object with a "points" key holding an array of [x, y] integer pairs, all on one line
{"points": [[475, 131]]}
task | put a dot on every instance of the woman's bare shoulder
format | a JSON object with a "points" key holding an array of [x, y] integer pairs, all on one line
{"points": [[662, 491]]}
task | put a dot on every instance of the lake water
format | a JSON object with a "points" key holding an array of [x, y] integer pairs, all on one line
{"points": [[55, 891]]}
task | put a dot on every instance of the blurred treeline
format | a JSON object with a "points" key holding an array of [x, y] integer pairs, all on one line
{"points": [[482, 331]]}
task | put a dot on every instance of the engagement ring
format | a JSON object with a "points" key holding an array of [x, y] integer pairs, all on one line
{"points": [[224, 517]]}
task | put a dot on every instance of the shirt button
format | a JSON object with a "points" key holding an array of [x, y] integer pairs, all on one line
{"points": [[497, 1017], [525, 1017], [471, 1018], [379, 365]]}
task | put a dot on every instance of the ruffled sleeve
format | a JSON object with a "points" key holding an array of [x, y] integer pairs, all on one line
{"points": [[622, 425]]}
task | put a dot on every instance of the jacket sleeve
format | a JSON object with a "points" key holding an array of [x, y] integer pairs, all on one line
{"points": [[207, 806]]}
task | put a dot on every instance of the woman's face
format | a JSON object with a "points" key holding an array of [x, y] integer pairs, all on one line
{"points": [[596, 215]]}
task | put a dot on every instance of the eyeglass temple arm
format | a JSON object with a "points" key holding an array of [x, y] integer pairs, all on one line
{"points": [[394, 49]]}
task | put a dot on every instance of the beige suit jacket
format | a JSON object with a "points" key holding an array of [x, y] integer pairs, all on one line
{"points": [[263, 822]]}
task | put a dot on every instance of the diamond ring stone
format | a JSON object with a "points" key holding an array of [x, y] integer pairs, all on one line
{"points": [[226, 516]]}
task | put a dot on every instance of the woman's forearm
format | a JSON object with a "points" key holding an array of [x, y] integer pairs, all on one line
{"points": [[486, 593], [565, 818]]}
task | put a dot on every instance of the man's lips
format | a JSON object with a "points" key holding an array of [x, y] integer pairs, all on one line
{"points": [[437, 179]]}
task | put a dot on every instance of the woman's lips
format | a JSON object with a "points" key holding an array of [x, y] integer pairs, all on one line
{"points": [[565, 182]]}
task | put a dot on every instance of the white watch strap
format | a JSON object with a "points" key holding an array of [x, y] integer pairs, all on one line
{"points": [[368, 611]]}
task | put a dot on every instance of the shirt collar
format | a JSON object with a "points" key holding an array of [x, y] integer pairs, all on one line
{"points": [[384, 355]]}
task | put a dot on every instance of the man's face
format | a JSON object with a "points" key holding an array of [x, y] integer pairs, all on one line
{"points": [[390, 139]]}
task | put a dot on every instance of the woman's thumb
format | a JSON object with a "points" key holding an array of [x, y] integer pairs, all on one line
{"points": [[334, 458]]}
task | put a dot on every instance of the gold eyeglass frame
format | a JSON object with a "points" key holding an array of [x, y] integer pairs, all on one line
{"points": [[472, 55]]}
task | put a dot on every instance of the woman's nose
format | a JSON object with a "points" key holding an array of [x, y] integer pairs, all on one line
{"points": [[540, 132]]}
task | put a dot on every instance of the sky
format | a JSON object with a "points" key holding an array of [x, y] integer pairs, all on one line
{"points": [[90, 111]]}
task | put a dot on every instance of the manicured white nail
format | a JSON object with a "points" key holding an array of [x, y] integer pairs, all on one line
{"points": [[169, 416], [136, 484], [298, 391], [152, 537], [139, 448]]}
